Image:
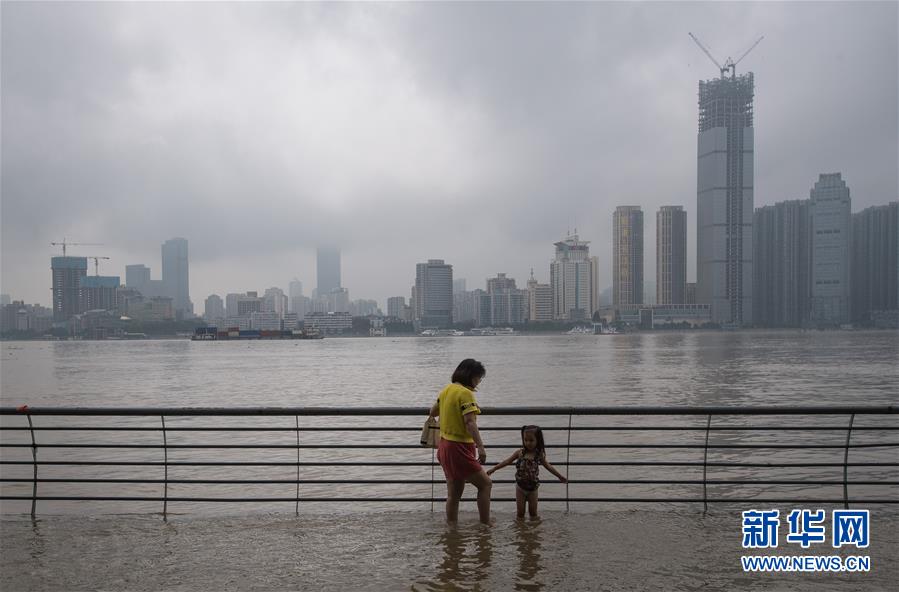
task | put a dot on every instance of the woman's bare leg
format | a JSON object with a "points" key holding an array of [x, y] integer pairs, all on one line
{"points": [[454, 489], [484, 485]]}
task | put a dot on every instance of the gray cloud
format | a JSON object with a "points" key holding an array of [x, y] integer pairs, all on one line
{"points": [[473, 132]]}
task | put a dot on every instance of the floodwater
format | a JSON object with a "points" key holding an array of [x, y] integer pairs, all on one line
{"points": [[608, 550], [379, 546]]}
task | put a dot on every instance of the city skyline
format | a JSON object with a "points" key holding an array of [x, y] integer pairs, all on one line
{"points": [[623, 101]]}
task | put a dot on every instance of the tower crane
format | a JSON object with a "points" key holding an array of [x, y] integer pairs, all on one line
{"points": [[729, 63], [96, 259], [64, 244]]}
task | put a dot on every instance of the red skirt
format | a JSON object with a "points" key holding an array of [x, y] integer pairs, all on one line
{"points": [[458, 459]]}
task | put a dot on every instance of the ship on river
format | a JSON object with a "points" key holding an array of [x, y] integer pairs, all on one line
{"points": [[235, 333]]}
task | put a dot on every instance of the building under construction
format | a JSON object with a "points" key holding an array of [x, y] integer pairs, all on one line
{"points": [[725, 198]]}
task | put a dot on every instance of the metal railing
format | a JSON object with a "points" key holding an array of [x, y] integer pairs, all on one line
{"points": [[706, 422]]}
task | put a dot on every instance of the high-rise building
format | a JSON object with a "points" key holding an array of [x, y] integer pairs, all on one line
{"points": [[671, 255], [99, 292], [395, 306], [781, 263], [327, 269], [434, 294], [248, 303], [338, 300], [214, 308], [67, 274], [458, 286], [724, 197], [5, 299], [136, 276], [175, 276], [627, 256], [506, 304], [875, 261], [540, 300], [231, 305], [274, 300], [295, 295], [573, 277], [690, 293], [830, 214]]}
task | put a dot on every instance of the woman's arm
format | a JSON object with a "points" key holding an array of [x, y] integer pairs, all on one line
{"points": [[505, 463], [553, 470], [471, 424], [435, 410]]}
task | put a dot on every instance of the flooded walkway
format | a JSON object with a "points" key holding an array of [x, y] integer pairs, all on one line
{"points": [[403, 550]]}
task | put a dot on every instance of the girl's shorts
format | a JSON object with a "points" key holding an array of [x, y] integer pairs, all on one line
{"points": [[458, 459]]}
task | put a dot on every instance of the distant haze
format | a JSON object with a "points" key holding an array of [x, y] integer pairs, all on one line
{"points": [[478, 133]]}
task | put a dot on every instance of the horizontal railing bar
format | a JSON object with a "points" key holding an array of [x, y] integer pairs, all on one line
{"points": [[434, 481], [440, 499], [432, 464], [418, 447], [399, 411], [415, 429]]}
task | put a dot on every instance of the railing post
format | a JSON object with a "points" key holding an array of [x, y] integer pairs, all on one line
{"points": [[297, 508], [567, 459], [846, 464], [705, 466], [34, 465], [165, 451]]}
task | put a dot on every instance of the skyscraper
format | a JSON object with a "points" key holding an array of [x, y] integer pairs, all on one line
{"points": [[724, 196], [671, 255], [327, 270], [573, 277], [540, 300], [214, 309], [627, 256], [830, 213], [434, 294], [506, 304], [395, 306], [175, 276], [781, 262], [98, 292], [67, 275], [875, 261], [295, 298]]}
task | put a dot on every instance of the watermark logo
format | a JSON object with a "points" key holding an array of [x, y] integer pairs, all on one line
{"points": [[760, 529], [806, 528], [850, 527]]}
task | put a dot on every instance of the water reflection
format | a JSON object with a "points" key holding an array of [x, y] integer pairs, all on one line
{"points": [[528, 542], [467, 557]]}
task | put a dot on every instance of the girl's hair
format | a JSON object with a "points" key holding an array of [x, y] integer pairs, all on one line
{"points": [[538, 434], [467, 371]]}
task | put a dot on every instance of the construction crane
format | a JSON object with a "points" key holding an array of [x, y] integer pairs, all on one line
{"points": [[96, 259], [729, 63], [64, 244]]}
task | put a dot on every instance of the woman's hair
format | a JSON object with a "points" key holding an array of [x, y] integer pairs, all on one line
{"points": [[538, 434], [467, 371]]}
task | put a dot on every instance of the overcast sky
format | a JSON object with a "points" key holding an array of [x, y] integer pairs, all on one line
{"points": [[476, 133]]}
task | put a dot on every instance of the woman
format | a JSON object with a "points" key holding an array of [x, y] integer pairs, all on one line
{"points": [[458, 411]]}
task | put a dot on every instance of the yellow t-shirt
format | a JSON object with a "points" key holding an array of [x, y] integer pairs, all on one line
{"points": [[456, 401]]}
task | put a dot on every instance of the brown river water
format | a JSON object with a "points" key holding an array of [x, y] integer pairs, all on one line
{"points": [[384, 546]]}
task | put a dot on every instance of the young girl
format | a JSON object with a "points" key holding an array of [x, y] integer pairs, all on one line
{"points": [[527, 470]]}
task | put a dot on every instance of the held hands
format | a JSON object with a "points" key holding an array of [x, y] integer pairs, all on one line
{"points": [[482, 455]]}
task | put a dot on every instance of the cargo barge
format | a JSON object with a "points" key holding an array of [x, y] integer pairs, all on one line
{"points": [[233, 333]]}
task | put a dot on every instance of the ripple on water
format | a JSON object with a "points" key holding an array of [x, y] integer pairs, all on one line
{"points": [[408, 550]]}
